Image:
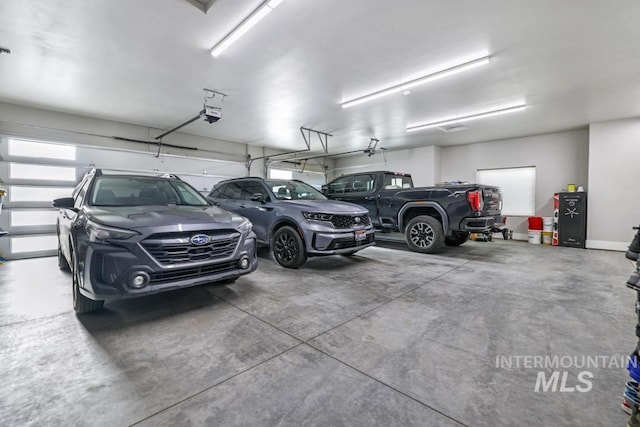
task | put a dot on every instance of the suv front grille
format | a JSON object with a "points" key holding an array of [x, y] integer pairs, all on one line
{"points": [[349, 221], [176, 248]]}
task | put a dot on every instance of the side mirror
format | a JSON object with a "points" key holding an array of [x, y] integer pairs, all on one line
{"points": [[64, 203], [258, 197]]}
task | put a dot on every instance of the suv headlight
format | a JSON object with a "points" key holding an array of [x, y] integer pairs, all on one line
{"points": [[315, 216], [101, 233], [244, 226]]}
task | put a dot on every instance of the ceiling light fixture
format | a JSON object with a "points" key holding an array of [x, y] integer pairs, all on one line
{"points": [[456, 120], [251, 20], [419, 81]]}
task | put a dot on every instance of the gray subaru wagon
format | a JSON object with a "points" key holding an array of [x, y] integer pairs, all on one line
{"points": [[125, 236], [295, 219]]}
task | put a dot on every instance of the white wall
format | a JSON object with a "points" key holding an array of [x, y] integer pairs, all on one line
{"points": [[559, 158], [614, 204], [422, 163]]}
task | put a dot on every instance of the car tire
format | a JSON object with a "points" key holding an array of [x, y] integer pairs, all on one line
{"points": [[81, 304], [288, 247], [456, 238], [424, 234], [63, 264]]}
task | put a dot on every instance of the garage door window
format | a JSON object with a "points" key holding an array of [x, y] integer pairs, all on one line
{"points": [[518, 186], [41, 173], [35, 244], [20, 218], [22, 148], [19, 193]]}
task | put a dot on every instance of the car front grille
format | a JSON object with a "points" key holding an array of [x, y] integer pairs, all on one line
{"points": [[176, 248], [349, 242], [189, 273], [349, 221]]}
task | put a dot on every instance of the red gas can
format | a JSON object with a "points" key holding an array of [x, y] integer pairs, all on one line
{"points": [[535, 223]]}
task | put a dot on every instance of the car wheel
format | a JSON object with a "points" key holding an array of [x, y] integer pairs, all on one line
{"points": [[63, 264], [456, 239], [81, 304], [424, 234], [288, 248]]}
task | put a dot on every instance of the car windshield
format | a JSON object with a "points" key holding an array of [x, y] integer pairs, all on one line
{"points": [[143, 191], [294, 190]]}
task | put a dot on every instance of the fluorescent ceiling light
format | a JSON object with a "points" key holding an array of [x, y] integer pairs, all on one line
{"points": [[504, 110], [419, 81], [251, 20]]}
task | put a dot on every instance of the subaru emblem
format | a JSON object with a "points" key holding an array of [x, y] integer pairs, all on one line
{"points": [[199, 239], [357, 220]]}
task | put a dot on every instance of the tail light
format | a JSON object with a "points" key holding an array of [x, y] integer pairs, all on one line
{"points": [[475, 200]]}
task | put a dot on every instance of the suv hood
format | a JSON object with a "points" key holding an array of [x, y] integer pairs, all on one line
{"points": [[135, 217], [325, 206]]}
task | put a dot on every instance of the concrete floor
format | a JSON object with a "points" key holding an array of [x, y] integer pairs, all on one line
{"points": [[388, 337]]}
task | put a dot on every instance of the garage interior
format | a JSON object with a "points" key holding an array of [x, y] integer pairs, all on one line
{"points": [[388, 336]]}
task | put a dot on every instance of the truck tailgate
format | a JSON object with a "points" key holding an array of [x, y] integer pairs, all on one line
{"points": [[492, 198]]}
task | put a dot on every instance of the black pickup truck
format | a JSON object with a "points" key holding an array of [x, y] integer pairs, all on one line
{"points": [[429, 216]]}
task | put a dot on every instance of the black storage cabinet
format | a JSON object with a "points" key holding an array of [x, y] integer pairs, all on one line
{"points": [[572, 219]]}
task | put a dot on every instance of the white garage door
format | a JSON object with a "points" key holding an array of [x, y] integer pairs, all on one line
{"points": [[36, 172]]}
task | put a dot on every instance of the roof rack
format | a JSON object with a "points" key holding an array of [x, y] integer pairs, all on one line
{"points": [[169, 175]]}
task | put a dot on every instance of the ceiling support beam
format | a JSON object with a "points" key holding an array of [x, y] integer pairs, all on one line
{"points": [[307, 141], [307, 138]]}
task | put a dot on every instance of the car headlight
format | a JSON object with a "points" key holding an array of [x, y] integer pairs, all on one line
{"points": [[315, 216], [245, 225], [101, 233]]}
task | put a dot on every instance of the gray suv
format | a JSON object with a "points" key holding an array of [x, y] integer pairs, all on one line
{"points": [[295, 219], [125, 236]]}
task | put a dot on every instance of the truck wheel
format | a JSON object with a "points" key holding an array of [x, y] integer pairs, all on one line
{"points": [[81, 304], [456, 239], [288, 247], [424, 234]]}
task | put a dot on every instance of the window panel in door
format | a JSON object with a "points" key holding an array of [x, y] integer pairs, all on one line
{"points": [[250, 188], [341, 185], [362, 183], [233, 191], [218, 192]]}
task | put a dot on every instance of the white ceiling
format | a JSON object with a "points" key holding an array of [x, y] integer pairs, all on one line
{"points": [[146, 62]]}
